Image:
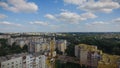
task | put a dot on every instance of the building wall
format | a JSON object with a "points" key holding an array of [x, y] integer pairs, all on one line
{"points": [[61, 45], [107, 65], [83, 56], [43, 61], [35, 62], [11, 41], [13, 63], [77, 51], [38, 47], [5, 36], [91, 56]]}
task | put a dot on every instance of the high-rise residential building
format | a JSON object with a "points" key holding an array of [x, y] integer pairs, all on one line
{"points": [[12, 63], [11, 41], [88, 54], [36, 47], [61, 45], [109, 61], [31, 61], [5, 36], [23, 61]]}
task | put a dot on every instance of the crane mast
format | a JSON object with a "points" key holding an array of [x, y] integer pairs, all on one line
{"points": [[51, 58]]}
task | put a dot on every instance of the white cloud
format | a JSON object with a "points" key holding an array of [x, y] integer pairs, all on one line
{"points": [[76, 2], [71, 17], [95, 6], [88, 15], [100, 6], [19, 6], [117, 20], [2, 16], [97, 23], [103, 26], [101, 23], [64, 10], [47, 25], [54, 26], [117, 1], [50, 16], [39, 23], [6, 23]]}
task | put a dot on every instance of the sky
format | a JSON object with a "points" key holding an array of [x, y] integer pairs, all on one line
{"points": [[59, 15]]}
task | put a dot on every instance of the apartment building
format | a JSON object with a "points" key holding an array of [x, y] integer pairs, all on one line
{"points": [[109, 61], [12, 61], [23, 61], [61, 45], [89, 55], [31, 61], [5, 36]]}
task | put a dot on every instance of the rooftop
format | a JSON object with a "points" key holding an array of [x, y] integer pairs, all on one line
{"points": [[8, 57]]}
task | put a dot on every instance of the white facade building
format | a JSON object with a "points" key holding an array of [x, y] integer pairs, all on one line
{"points": [[5, 36], [11, 41], [12, 63], [61, 45], [87, 54], [34, 62]]}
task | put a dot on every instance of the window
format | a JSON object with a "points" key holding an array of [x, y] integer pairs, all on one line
{"points": [[3, 65], [12, 62], [12, 66], [16, 64]]}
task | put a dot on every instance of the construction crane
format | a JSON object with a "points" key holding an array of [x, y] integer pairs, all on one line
{"points": [[51, 57]]}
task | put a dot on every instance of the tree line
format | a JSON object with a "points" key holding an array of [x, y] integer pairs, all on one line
{"points": [[6, 49]]}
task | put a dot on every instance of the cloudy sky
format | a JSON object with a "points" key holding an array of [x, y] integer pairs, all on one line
{"points": [[59, 15]]}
